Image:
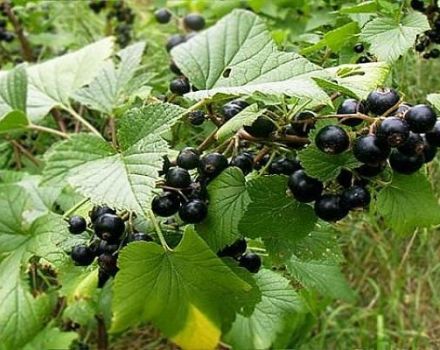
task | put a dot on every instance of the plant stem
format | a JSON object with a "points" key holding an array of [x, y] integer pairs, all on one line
{"points": [[163, 242], [78, 117], [207, 142], [75, 208], [102, 334], [48, 130], [195, 106], [26, 153], [59, 120], [113, 131]]}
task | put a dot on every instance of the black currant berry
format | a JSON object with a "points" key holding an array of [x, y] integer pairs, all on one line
{"points": [[235, 250], [100, 210], [330, 207], [284, 166], [197, 190], [196, 117], [3, 23], [140, 236], [433, 136], [351, 106], [175, 40], [175, 69], [404, 164], [420, 47], [77, 224], [434, 53], [262, 127], [194, 21], [345, 178], [303, 187], [232, 108], [363, 59], [163, 15], [108, 263], [178, 177], [302, 123], [427, 55], [366, 170], [97, 6], [212, 164], [359, 48], [421, 118], [382, 100], [418, 5], [251, 262], [429, 151], [193, 211], [394, 131], [109, 227], [188, 158], [413, 145], [82, 255], [244, 161], [165, 204], [356, 197], [370, 150], [100, 246], [332, 139], [103, 277], [180, 86]]}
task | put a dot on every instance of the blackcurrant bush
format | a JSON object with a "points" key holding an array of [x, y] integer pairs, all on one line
{"points": [[180, 86], [244, 161], [175, 69], [262, 127], [82, 255], [370, 150], [303, 187], [418, 5], [193, 211], [232, 108], [165, 204], [100, 210], [393, 130], [382, 100], [351, 106], [332, 139], [302, 123], [196, 117], [345, 178], [330, 207], [188, 158], [77, 224], [413, 145], [163, 15], [401, 163], [109, 227], [140, 236], [363, 59], [421, 118], [359, 48], [251, 262], [194, 21], [212, 164], [433, 136], [108, 263], [367, 170], [235, 250], [174, 41], [356, 197]]}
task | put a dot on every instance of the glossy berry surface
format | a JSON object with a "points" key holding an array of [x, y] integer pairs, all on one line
{"points": [[108, 263], [244, 161], [381, 100], [404, 164], [196, 117], [284, 166], [303, 187], [213, 164], [421, 118], [180, 86], [359, 48], [330, 207], [418, 5], [251, 262], [109, 227], [367, 170], [140, 236], [188, 158], [332, 139], [363, 59], [175, 69], [194, 21], [174, 41], [303, 123], [414, 144], [82, 255], [393, 131], [165, 204], [262, 127], [100, 210], [231, 109], [163, 15], [356, 197], [178, 177], [368, 149], [433, 136], [235, 250], [351, 106], [77, 224], [193, 211]]}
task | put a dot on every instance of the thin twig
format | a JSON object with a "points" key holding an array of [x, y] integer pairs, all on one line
{"points": [[102, 339], [75, 208], [59, 119], [17, 157], [48, 130], [78, 117], [207, 142], [26, 153], [265, 150], [112, 127], [158, 230]]}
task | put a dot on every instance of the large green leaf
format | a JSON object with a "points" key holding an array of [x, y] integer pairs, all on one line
{"points": [[408, 203], [125, 177], [228, 200], [189, 293], [278, 301], [108, 90], [434, 99], [51, 338], [390, 39]]}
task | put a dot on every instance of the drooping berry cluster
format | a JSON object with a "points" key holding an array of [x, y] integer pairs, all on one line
{"points": [[426, 42], [109, 237], [237, 250], [365, 57]]}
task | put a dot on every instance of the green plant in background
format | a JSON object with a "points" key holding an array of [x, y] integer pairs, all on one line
{"points": [[203, 181]]}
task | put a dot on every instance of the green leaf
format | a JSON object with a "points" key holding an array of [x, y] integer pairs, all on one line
{"points": [[238, 56], [364, 7], [278, 301], [228, 200], [51, 338], [389, 39], [108, 90], [272, 214], [246, 117], [188, 293], [408, 203], [13, 90], [13, 121], [123, 178], [434, 99]]}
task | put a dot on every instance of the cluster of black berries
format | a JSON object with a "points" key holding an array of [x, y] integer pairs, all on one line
{"points": [[237, 251], [192, 23], [365, 57], [5, 35], [431, 37], [109, 237]]}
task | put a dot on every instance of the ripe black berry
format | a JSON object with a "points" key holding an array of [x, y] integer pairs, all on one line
{"points": [[414, 145], [420, 47], [97, 6], [77, 224], [429, 151], [100, 210], [332, 139], [188, 158], [109, 227], [235, 250], [193, 211], [303, 123], [284, 166], [180, 86], [421, 118], [82, 255], [345, 178], [244, 161], [163, 15], [232, 108], [359, 48], [351, 106], [303, 187], [251, 262], [433, 136], [7, 36], [394, 131], [178, 177], [196, 117], [261, 127], [434, 53], [194, 21], [418, 5], [363, 59], [99, 247], [140, 236], [367, 170], [212, 164], [175, 40], [404, 164], [108, 263], [166, 204], [330, 208], [175, 69], [356, 197], [382, 100], [368, 149]]}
